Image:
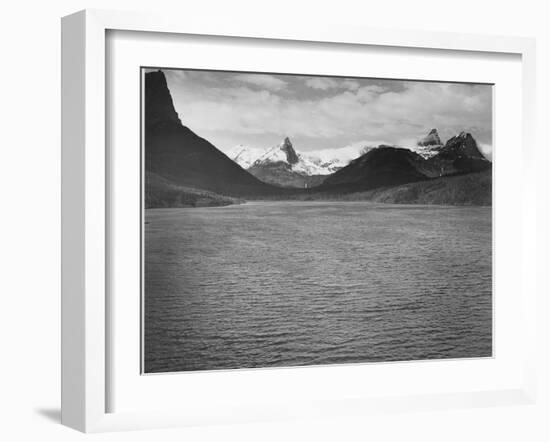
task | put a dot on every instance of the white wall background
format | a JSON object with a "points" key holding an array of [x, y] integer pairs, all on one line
{"points": [[30, 220]]}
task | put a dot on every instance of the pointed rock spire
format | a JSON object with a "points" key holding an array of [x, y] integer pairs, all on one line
{"points": [[432, 139], [288, 149]]}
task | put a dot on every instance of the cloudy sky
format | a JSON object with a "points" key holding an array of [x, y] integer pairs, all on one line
{"points": [[320, 113]]}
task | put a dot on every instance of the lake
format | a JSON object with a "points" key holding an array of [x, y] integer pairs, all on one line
{"points": [[270, 284]]}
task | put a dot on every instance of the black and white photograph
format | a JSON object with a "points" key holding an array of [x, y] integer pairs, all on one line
{"points": [[300, 220]]}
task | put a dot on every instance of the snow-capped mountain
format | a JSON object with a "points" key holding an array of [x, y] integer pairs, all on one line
{"points": [[432, 139], [243, 155], [322, 162], [325, 167], [283, 152], [392, 166], [429, 146], [282, 165]]}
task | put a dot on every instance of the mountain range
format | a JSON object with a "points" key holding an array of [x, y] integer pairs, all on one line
{"points": [[281, 165], [183, 169], [284, 152], [389, 165]]}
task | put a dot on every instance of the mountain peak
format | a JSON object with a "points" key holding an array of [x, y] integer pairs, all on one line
{"points": [[432, 139], [379, 167], [288, 149], [464, 143], [159, 107]]}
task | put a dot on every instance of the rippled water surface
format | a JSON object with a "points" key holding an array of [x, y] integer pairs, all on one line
{"points": [[290, 283]]}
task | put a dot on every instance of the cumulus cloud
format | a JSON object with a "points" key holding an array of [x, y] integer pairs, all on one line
{"points": [[487, 150], [321, 83], [324, 113], [325, 83], [348, 152], [262, 80], [351, 84]]}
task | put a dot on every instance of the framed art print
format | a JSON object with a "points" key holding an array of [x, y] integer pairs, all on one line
{"points": [[330, 225], [277, 223]]}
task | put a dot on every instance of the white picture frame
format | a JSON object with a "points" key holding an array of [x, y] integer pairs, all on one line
{"points": [[85, 202]]}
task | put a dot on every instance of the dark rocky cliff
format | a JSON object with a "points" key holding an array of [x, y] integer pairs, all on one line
{"points": [[177, 154]]}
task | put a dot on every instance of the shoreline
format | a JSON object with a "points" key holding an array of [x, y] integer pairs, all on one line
{"points": [[374, 204]]}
